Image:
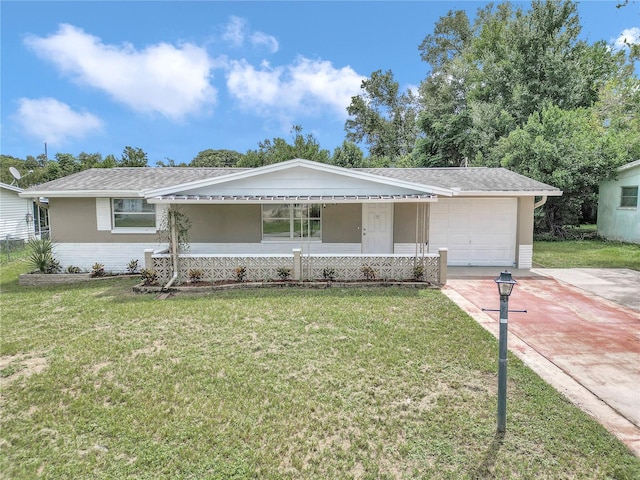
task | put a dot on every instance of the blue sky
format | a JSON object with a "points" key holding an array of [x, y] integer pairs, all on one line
{"points": [[175, 78]]}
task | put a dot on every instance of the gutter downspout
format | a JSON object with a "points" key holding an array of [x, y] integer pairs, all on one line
{"points": [[174, 250], [540, 203]]}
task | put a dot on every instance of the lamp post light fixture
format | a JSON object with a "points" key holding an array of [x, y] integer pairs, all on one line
{"points": [[505, 286]]}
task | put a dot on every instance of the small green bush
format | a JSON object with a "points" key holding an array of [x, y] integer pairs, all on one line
{"points": [[41, 255], [149, 277], [241, 273], [195, 275], [368, 273], [329, 274], [418, 272], [132, 266], [284, 273], [97, 270], [73, 269]]}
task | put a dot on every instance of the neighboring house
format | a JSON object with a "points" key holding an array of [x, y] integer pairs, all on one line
{"points": [[483, 216], [619, 207], [16, 214]]}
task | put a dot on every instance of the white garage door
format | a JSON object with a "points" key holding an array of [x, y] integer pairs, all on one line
{"points": [[479, 231]]}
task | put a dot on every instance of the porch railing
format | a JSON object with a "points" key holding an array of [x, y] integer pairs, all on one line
{"points": [[265, 267]]}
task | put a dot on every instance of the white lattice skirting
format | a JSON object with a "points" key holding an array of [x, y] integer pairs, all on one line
{"points": [[313, 267]]}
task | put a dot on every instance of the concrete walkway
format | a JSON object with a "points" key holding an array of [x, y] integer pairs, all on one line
{"points": [[584, 345]]}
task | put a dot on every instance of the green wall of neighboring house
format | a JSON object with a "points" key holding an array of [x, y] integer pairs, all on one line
{"points": [[616, 222]]}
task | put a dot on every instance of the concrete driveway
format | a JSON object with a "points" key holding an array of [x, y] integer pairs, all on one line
{"points": [[584, 344]]}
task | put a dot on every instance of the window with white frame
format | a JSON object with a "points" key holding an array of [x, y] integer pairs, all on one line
{"points": [[133, 213], [291, 221], [629, 197]]}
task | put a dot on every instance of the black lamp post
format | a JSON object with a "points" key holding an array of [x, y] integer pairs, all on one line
{"points": [[505, 286]]}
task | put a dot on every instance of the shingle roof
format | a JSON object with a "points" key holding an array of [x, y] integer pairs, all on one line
{"points": [[469, 179], [135, 180]]}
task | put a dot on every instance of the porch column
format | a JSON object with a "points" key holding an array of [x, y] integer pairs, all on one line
{"points": [[297, 264], [442, 277], [148, 260]]}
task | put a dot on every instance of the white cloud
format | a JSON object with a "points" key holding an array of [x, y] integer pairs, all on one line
{"points": [[54, 122], [172, 81], [304, 87], [629, 36], [237, 30], [234, 31], [268, 41]]}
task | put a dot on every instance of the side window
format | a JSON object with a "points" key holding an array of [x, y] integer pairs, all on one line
{"points": [[133, 213], [629, 197]]}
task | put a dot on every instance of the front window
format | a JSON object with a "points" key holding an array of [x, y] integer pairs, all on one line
{"points": [[133, 213], [291, 221], [629, 197]]}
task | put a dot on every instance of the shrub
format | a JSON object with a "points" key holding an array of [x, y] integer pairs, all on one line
{"points": [[241, 273], [149, 277], [195, 275], [73, 269], [132, 266], [97, 270], [329, 274], [418, 272], [368, 273], [284, 273], [41, 256], [53, 266]]}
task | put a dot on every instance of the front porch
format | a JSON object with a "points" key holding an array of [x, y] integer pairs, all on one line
{"points": [[430, 268]]}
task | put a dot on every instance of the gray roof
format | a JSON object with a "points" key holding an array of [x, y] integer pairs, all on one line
{"points": [[135, 179], [122, 179], [464, 179]]}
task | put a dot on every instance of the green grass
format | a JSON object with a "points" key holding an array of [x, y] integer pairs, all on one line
{"points": [[586, 254], [382, 383]]}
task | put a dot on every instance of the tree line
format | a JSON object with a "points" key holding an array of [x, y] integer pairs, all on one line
{"points": [[514, 88]]}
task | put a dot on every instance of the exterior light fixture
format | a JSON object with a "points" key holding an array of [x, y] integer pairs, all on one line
{"points": [[505, 284], [505, 287]]}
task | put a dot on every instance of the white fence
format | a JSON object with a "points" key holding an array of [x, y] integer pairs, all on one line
{"points": [[265, 267]]}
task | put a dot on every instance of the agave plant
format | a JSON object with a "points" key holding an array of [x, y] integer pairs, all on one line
{"points": [[40, 254]]}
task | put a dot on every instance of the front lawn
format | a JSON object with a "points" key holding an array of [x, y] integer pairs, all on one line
{"points": [[382, 383], [594, 253]]}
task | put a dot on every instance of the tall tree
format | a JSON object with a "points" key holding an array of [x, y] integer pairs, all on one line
{"points": [[348, 155], [278, 150], [133, 157], [383, 117], [216, 158]]}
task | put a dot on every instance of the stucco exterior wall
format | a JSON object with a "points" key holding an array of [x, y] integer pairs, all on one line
{"points": [[224, 223], [616, 222], [342, 223], [404, 223], [73, 220]]}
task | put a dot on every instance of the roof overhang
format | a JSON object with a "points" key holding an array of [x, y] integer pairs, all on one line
{"points": [[518, 193], [262, 199], [81, 193]]}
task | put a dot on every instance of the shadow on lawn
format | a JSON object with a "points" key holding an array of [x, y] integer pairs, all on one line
{"points": [[486, 468]]}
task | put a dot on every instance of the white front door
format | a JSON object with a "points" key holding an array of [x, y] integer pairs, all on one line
{"points": [[377, 228]]}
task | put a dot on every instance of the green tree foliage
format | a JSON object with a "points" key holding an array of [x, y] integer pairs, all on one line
{"points": [[516, 87], [570, 149], [133, 157], [348, 155], [382, 117], [278, 150], [216, 158]]}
